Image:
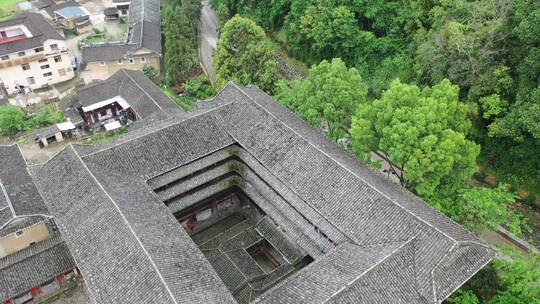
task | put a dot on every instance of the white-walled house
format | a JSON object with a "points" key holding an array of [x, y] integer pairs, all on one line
{"points": [[32, 53]]}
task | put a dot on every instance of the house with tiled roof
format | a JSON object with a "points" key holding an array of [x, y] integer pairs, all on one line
{"points": [[125, 96], [34, 260], [67, 14], [142, 45], [240, 201], [32, 54]]}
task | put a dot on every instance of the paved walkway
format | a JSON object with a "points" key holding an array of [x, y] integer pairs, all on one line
{"points": [[208, 38]]}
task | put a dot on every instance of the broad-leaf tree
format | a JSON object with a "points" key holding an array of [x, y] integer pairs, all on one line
{"points": [[11, 119], [327, 97], [244, 55], [421, 134]]}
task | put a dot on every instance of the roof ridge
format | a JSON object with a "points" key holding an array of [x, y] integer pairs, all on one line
{"points": [[158, 272], [391, 254], [156, 130], [344, 167], [140, 88]]}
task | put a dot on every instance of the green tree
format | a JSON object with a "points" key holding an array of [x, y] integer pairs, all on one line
{"points": [[179, 51], [11, 119], [243, 55], [152, 73], [511, 278], [44, 116], [330, 32], [463, 297], [327, 97], [479, 208], [420, 134], [519, 279]]}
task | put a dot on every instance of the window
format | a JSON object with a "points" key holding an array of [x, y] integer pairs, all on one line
{"points": [[19, 233], [49, 74], [131, 60], [31, 80], [25, 66], [44, 67], [54, 47], [143, 59], [62, 72], [102, 63], [5, 57], [43, 60], [39, 49], [120, 61], [57, 58], [22, 53]]}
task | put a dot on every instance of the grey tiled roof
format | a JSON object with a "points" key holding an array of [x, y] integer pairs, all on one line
{"points": [[148, 257], [51, 8], [145, 24], [40, 28], [387, 239], [18, 193], [33, 266], [144, 32], [146, 99], [104, 52], [326, 281]]}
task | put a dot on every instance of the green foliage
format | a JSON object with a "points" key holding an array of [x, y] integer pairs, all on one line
{"points": [[152, 74], [481, 208], [327, 98], [180, 53], [510, 279], [421, 134], [44, 116], [244, 55], [463, 297], [11, 119], [329, 32], [200, 88]]}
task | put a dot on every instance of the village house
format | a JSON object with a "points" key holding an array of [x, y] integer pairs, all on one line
{"points": [[32, 54], [241, 201], [35, 263], [126, 96], [119, 9], [141, 47], [66, 14]]}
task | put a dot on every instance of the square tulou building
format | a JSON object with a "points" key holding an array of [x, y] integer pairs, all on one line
{"points": [[240, 201]]}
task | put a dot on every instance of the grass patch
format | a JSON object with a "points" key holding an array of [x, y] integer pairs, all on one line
{"points": [[8, 8], [181, 101]]}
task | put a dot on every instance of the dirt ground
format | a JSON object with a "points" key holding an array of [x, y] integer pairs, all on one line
{"points": [[73, 296]]}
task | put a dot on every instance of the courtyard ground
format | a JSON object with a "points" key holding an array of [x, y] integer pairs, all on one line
{"points": [[75, 295]]}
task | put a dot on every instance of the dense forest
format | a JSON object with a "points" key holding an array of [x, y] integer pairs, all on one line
{"points": [[439, 91], [489, 48]]}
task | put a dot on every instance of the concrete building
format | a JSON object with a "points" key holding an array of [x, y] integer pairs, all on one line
{"points": [[34, 260], [67, 15], [240, 201], [141, 47], [32, 54]]}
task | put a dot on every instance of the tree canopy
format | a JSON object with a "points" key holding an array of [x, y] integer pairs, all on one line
{"points": [[11, 119], [420, 133], [243, 55], [180, 53], [327, 97], [489, 48]]}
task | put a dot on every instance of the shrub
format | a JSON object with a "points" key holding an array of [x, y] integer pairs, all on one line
{"points": [[200, 87]]}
